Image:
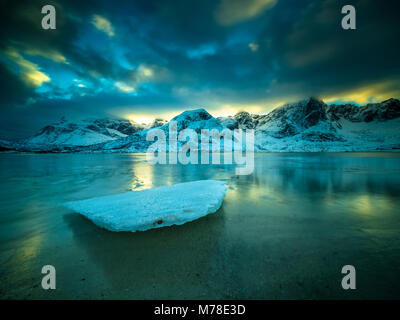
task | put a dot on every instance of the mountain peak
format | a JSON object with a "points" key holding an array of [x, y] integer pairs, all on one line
{"points": [[314, 100], [244, 120], [391, 100], [193, 115]]}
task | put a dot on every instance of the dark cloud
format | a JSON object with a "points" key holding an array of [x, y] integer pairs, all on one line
{"points": [[14, 91], [170, 54], [171, 23], [316, 55]]}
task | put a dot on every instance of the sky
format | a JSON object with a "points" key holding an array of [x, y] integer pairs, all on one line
{"points": [[140, 60]]}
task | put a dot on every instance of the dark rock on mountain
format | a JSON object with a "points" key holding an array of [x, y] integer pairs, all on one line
{"points": [[245, 120], [386, 110]]}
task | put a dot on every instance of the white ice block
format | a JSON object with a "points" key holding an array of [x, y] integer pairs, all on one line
{"points": [[153, 208]]}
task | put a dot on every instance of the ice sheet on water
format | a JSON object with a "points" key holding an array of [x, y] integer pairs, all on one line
{"points": [[153, 208]]}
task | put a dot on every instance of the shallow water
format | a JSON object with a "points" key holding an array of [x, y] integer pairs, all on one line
{"points": [[283, 232]]}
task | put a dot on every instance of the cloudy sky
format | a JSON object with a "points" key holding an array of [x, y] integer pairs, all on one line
{"points": [[155, 58]]}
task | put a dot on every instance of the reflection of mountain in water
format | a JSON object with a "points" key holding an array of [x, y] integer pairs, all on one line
{"points": [[326, 173]]}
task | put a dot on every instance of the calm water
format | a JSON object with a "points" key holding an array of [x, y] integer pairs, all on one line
{"points": [[282, 233]]}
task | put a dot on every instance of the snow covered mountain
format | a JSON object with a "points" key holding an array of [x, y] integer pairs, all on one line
{"points": [[66, 135], [308, 125], [193, 119], [83, 133], [311, 125]]}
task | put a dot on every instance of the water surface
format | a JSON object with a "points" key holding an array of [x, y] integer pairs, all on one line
{"points": [[283, 232]]}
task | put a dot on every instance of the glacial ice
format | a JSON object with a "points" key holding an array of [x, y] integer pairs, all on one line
{"points": [[153, 208]]}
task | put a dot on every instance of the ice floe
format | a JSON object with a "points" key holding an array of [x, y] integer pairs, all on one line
{"points": [[153, 208]]}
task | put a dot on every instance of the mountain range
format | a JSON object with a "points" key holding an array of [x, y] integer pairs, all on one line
{"points": [[309, 125]]}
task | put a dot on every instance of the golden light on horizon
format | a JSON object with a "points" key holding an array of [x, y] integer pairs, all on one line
{"points": [[140, 119], [227, 110], [147, 118], [375, 92]]}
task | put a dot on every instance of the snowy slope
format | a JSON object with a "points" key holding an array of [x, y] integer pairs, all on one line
{"points": [[375, 135]]}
